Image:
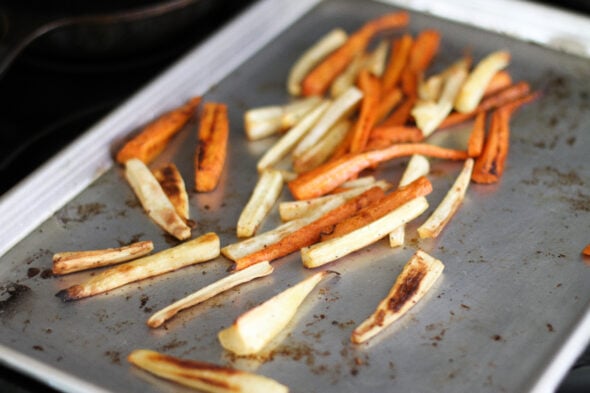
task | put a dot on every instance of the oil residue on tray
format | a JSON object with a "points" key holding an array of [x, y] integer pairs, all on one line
{"points": [[11, 296]]}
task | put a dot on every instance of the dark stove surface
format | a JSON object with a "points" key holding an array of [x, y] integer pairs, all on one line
{"points": [[47, 101]]}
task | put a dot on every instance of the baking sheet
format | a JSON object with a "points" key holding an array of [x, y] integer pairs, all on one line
{"points": [[513, 294]]}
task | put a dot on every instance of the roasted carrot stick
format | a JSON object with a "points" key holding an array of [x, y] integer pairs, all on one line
{"points": [[401, 114], [322, 76], [379, 208], [310, 233], [503, 97], [485, 169], [499, 82], [397, 61], [212, 149], [423, 51], [476, 139], [155, 136], [385, 136], [586, 250], [327, 177], [370, 86], [389, 99]]}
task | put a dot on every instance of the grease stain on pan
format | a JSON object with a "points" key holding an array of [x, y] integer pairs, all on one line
{"points": [[12, 296]]}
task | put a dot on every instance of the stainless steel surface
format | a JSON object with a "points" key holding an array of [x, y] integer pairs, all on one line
{"points": [[515, 288]]}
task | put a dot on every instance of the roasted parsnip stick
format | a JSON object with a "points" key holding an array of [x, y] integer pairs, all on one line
{"points": [[222, 285], [268, 120], [288, 141], [417, 166], [174, 187], [416, 278], [429, 114], [74, 261], [194, 251], [265, 194], [245, 247], [254, 329], [156, 135], [203, 376], [154, 200], [321, 151], [474, 87], [449, 205], [339, 109], [324, 252]]}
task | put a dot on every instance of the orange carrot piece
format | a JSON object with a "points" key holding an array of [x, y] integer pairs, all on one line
{"points": [[389, 99], [586, 250], [311, 233], [322, 76], [476, 139], [370, 86], [379, 208], [423, 51], [512, 93], [385, 136], [401, 114], [327, 177], [499, 82], [485, 169], [397, 61], [152, 140], [212, 148]]}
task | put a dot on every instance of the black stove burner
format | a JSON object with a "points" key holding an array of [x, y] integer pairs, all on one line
{"points": [[47, 100]]}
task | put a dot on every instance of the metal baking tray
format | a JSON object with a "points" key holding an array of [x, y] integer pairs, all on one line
{"points": [[511, 312]]}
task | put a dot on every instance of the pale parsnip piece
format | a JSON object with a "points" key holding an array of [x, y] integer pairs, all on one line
{"points": [[347, 77], [154, 200], [246, 247], [359, 182], [262, 122], [174, 187], [418, 166], [201, 249], [430, 89], [254, 329], [297, 209], [376, 61], [268, 120], [250, 273], [265, 194], [429, 114], [311, 57], [321, 151], [416, 278], [339, 109], [449, 205], [327, 251], [206, 377], [75, 261], [288, 141], [478, 80]]}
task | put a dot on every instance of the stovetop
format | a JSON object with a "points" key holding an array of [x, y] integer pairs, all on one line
{"points": [[45, 103]]}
